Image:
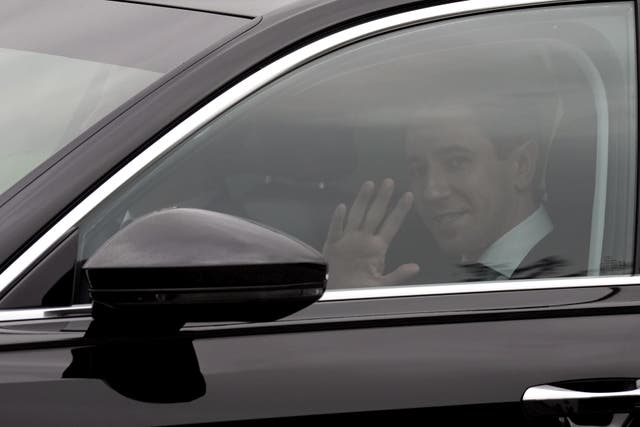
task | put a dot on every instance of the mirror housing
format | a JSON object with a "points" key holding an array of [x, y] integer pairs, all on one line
{"points": [[186, 265]]}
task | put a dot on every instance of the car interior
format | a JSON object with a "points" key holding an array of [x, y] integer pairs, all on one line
{"points": [[288, 155]]}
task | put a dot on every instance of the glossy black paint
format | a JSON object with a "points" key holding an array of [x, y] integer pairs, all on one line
{"points": [[233, 8], [50, 283], [184, 237], [368, 313], [142, 368], [332, 364], [198, 265]]}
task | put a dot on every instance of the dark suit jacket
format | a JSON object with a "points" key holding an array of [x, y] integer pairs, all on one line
{"points": [[551, 257]]}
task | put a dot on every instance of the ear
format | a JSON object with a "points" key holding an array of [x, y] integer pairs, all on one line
{"points": [[524, 161]]}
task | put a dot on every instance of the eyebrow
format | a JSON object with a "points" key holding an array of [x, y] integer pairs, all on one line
{"points": [[443, 151], [453, 149]]}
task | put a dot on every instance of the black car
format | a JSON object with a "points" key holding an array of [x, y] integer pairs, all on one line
{"points": [[312, 211]]}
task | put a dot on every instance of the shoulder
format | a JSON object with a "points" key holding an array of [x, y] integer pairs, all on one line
{"points": [[549, 258]]}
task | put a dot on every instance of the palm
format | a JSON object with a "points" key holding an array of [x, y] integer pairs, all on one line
{"points": [[356, 251]]}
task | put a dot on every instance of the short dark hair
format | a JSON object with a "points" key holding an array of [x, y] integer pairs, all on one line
{"points": [[507, 120]]}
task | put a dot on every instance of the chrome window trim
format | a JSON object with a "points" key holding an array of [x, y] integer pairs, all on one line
{"points": [[240, 91], [53, 313], [478, 287], [84, 310]]}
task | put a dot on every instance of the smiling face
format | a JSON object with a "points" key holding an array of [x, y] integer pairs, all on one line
{"points": [[465, 193]]}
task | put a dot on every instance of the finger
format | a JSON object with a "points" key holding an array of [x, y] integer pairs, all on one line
{"points": [[360, 204], [378, 208], [337, 223], [393, 222], [400, 274]]}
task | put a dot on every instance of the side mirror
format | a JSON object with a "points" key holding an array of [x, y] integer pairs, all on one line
{"points": [[181, 265]]}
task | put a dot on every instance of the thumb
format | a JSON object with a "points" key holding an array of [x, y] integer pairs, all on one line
{"points": [[400, 274]]}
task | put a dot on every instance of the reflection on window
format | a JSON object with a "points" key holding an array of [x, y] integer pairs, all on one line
{"points": [[487, 148], [49, 100]]}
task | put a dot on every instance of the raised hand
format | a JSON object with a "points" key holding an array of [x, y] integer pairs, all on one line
{"points": [[356, 250]]}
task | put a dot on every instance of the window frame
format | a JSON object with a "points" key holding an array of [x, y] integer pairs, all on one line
{"points": [[246, 87]]}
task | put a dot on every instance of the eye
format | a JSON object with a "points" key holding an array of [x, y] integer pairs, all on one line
{"points": [[417, 169], [456, 163]]}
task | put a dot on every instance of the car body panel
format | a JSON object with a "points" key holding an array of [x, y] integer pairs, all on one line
{"points": [[331, 371], [251, 8]]}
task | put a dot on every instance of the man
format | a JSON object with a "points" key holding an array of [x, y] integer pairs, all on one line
{"points": [[477, 179]]}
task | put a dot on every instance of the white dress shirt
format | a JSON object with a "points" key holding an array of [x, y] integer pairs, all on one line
{"points": [[507, 253]]}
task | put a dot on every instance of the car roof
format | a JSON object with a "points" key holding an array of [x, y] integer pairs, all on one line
{"points": [[131, 35], [244, 8]]}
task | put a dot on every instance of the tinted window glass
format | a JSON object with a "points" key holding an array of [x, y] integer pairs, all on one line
{"points": [[64, 65], [493, 147]]}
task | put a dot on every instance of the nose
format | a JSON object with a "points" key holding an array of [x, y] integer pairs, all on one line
{"points": [[436, 185]]}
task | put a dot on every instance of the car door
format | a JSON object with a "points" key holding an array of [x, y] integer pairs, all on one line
{"points": [[328, 143]]}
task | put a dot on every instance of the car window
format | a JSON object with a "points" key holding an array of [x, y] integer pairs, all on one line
{"points": [[63, 67], [493, 147]]}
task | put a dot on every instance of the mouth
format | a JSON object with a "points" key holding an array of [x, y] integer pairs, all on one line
{"points": [[448, 218]]}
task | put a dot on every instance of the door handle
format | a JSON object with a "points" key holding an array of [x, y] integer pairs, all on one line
{"points": [[555, 400]]}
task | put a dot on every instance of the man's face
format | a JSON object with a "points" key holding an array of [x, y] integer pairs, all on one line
{"points": [[463, 191]]}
